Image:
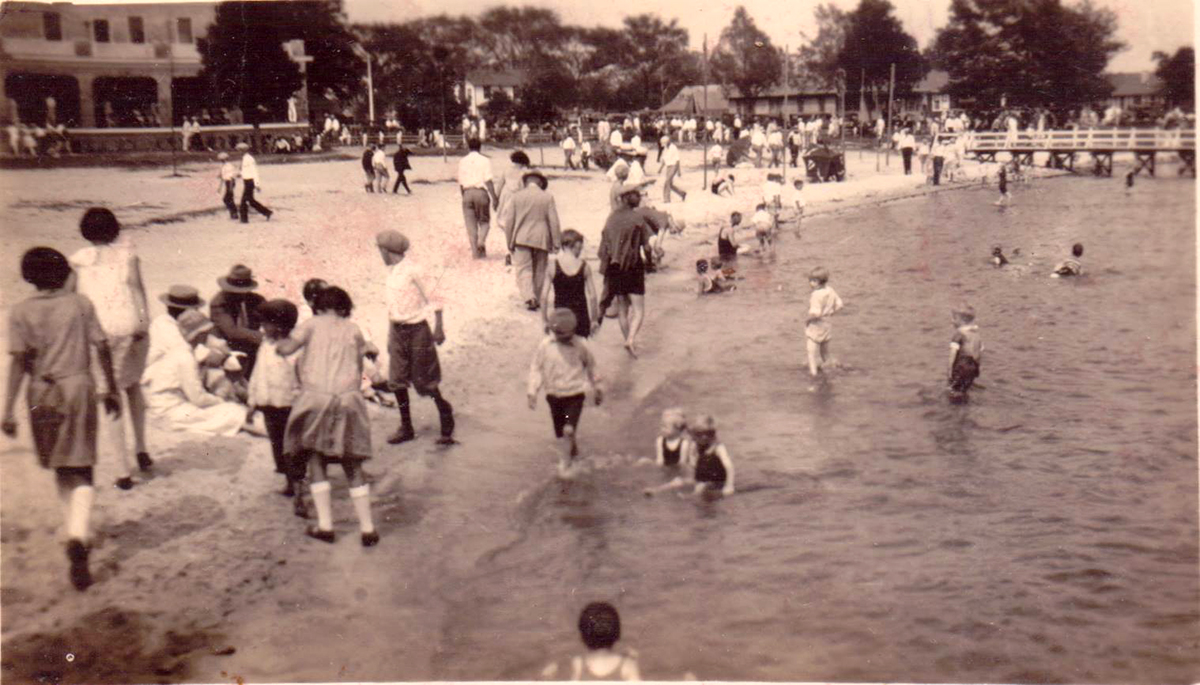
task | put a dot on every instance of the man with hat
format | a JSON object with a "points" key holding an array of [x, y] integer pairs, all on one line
{"points": [[164, 329], [412, 346], [624, 252], [234, 312], [249, 179], [535, 233], [228, 176]]}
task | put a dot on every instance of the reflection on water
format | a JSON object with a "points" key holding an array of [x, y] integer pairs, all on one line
{"points": [[1043, 532]]}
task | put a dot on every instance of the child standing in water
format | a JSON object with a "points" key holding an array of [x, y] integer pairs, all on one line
{"points": [[1003, 179], [572, 284], [600, 628], [966, 352], [49, 336], [565, 367], [823, 304], [672, 447], [273, 388], [329, 421], [1070, 266], [764, 227]]}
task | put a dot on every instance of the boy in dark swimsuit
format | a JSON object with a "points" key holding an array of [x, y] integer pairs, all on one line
{"points": [[966, 352]]}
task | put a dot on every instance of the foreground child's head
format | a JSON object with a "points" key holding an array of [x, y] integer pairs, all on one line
{"points": [[334, 299], [562, 324], [572, 241], [818, 277], [278, 318], [393, 245], [99, 226], [673, 422], [599, 625], [704, 431], [798, 184], [735, 218], [963, 314], [701, 266], [46, 268], [312, 287], [1077, 250]]}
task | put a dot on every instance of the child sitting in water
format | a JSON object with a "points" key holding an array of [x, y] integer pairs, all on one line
{"points": [[711, 281], [1070, 266], [600, 628], [998, 258], [966, 351], [727, 244], [711, 466], [672, 447], [817, 330], [565, 367]]}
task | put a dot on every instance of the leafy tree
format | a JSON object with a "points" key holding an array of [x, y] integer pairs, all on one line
{"points": [[550, 91], [819, 57], [1178, 75], [245, 63], [1031, 53], [321, 24], [874, 41], [413, 76], [652, 48], [499, 106], [745, 57], [519, 37]]}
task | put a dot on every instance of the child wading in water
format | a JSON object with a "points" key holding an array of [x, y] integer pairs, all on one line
{"points": [[600, 628], [329, 421], [1070, 266], [273, 388], [712, 468], [673, 447], [1003, 180], [966, 352], [817, 330], [565, 367], [49, 336], [572, 284]]}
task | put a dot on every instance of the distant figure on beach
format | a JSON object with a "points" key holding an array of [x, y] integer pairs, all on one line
{"points": [[250, 182], [571, 285], [796, 201], [600, 628], [328, 422], [564, 367], [727, 243], [723, 185], [1002, 177], [673, 167], [379, 162], [478, 196], [368, 166], [907, 143], [673, 447], [506, 185], [966, 352], [998, 258], [50, 335], [818, 331], [1129, 180], [712, 468], [412, 346], [568, 147], [227, 176], [109, 274], [401, 164], [273, 389], [1070, 266]]}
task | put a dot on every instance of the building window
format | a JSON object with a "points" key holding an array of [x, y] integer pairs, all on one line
{"points": [[137, 30], [52, 25], [100, 30], [184, 30]]}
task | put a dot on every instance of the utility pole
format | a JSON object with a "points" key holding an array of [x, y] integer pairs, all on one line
{"points": [[704, 148], [891, 94], [370, 92], [171, 71], [787, 83]]}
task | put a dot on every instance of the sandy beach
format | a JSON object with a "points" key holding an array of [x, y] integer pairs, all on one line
{"points": [[202, 573]]}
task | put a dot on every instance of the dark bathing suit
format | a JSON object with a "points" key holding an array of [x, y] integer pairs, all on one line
{"points": [[671, 456], [570, 292], [725, 247], [709, 469]]}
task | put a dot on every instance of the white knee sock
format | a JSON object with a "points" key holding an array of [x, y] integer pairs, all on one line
{"points": [[323, 501], [79, 512], [361, 498]]}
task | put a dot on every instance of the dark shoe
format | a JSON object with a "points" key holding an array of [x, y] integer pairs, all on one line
{"points": [[77, 552], [446, 441], [322, 535], [507, 260], [125, 483], [481, 252], [269, 215], [531, 305], [299, 508], [289, 490], [370, 539], [145, 463], [401, 435]]}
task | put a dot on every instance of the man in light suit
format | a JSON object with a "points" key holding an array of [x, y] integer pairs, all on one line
{"points": [[535, 233]]}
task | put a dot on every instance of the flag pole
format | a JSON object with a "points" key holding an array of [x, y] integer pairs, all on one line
{"points": [[704, 146], [787, 82], [891, 95]]}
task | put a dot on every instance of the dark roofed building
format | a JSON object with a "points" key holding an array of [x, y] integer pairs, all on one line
{"points": [[695, 100], [1135, 89], [805, 98]]}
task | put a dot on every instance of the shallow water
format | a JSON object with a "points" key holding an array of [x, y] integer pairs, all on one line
{"points": [[1044, 532]]}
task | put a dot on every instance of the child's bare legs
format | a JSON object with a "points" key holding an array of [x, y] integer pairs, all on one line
{"points": [[76, 492], [637, 315], [814, 352], [826, 355], [136, 403], [622, 303]]}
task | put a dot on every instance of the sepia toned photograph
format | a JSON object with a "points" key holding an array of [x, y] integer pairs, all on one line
{"points": [[444, 340]]}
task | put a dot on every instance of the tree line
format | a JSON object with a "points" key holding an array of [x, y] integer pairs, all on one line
{"points": [[1032, 53]]}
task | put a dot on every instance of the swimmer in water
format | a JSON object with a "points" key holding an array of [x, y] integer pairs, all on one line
{"points": [[998, 258], [600, 628], [1070, 266], [710, 280], [966, 352], [1003, 180], [712, 469]]}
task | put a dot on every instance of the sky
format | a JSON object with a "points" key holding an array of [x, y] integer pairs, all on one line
{"points": [[1143, 25]]}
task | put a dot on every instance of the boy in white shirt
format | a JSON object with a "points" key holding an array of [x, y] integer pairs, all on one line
{"points": [[566, 369], [568, 146]]}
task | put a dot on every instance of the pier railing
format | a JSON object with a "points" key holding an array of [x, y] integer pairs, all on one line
{"points": [[110, 140], [1087, 140]]}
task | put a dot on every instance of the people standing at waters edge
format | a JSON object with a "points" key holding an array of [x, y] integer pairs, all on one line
{"points": [[478, 196], [49, 338], [328, 422], [509, 183], [228, 179], [250, 180], [234, 312], [535, 233], [564, 367], [623, 254], [571, 285], [273, 389], [109, 274], [412, 346], [823, 304], [966, 352], [671, 163], [401, 164]]}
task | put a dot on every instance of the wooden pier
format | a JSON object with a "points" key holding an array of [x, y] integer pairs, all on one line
{"points": [[1101, 144]]}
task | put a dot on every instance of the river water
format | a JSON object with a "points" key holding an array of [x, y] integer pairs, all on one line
{"points": [[1044, 532]]}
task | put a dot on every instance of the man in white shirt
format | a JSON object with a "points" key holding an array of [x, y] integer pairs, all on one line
{"points": [[379, 164], [412, 346], [568, 147], [615, 139], [250, 178], [775, 144], [670, 162], [478, 196], [758, 142], [907, 143], [603, 130]]}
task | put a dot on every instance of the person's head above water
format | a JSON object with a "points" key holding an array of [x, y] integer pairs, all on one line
{"points": [[1077, 249], [599, 625]]}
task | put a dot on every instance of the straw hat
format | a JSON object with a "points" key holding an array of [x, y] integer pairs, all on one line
{"points": [[193, 324], [184, 296], [242, 146]]}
